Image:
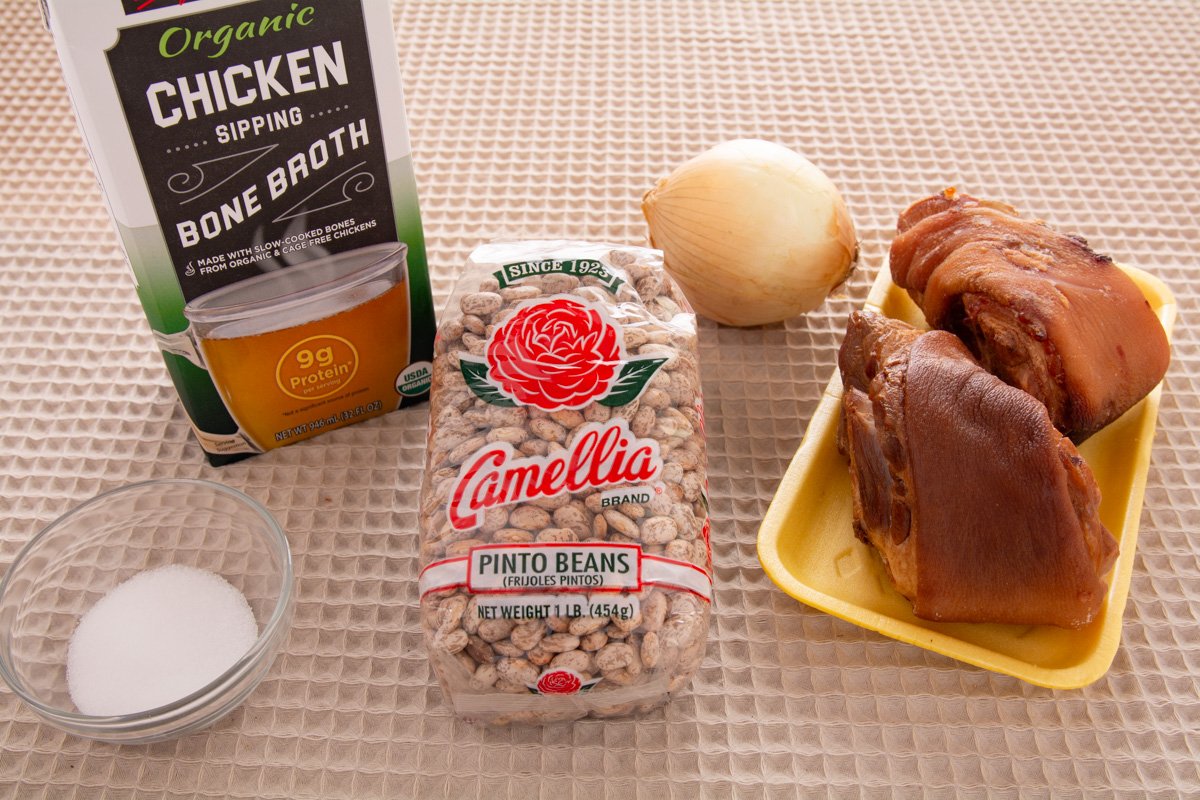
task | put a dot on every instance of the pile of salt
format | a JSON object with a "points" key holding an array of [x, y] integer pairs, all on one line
{"points": [[156, 638]]}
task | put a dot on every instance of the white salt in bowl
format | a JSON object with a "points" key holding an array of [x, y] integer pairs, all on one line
{"points": [[84, 554]]}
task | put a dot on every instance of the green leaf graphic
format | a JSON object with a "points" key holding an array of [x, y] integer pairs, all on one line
{"points": [[632, 380], [475, 373]]}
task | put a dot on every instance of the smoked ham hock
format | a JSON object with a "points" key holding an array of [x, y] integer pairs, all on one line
{"points": [[980, 509], [1038, 308]]}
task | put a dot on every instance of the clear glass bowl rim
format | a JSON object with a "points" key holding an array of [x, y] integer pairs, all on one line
{"points": [[213, 691]]}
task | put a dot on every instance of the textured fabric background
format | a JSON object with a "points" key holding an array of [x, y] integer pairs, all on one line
{"points": [[552, 118]]}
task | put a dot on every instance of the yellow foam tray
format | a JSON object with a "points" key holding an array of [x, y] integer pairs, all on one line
{"points": [[807, 547]]}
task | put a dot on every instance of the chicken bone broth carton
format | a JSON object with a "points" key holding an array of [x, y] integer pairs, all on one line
{"points": [[567, 569], [256, 162]]}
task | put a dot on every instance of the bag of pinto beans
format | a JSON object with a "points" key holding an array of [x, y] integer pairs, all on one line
{"points": [[567, 570]]}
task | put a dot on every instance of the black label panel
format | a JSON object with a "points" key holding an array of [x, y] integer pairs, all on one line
{"points": [[258, 134]]}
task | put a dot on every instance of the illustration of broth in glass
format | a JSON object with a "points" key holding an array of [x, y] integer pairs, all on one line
{"points": [[297, 351]]}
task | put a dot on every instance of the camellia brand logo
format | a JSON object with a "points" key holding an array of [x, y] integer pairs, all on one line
{"points": [[603, 454], [557, 353]]}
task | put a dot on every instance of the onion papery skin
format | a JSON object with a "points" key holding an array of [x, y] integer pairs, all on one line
{"points": [[753, 232]]}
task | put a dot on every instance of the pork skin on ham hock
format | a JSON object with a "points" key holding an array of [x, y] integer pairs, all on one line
{"points": [[980, 509], [1037, 307]]}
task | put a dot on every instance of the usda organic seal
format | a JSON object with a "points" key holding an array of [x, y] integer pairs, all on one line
{"points": [[415, 379]]}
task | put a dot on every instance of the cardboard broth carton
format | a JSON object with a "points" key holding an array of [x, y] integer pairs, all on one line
{"points": [[255, 158]]}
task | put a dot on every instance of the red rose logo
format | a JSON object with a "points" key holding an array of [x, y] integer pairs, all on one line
{"points": [[559, 681], [555, 355]]}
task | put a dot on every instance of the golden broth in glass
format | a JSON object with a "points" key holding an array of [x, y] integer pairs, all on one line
{"points": [[307, 348]]}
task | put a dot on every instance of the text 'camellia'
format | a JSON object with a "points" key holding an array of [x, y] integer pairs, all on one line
{"points": [[602, 455]]}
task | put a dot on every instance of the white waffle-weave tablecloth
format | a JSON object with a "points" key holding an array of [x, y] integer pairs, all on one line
{"points": [[552, 118]]}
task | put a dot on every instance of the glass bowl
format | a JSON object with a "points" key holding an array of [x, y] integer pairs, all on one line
{"points": [[81, 556]]}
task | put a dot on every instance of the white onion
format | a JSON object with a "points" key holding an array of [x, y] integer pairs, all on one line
{"points": [[752, 232]]}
